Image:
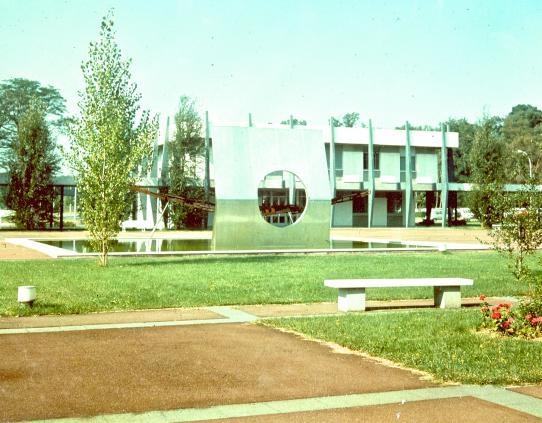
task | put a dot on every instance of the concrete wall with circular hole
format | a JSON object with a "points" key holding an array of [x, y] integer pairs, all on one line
{"points": [[243, 158]]}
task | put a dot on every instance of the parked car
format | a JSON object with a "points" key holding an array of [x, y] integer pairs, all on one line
{"points": [[465, 213]]}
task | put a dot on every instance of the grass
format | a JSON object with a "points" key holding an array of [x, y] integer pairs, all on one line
{"points": [[442, 343], [78, 285]]}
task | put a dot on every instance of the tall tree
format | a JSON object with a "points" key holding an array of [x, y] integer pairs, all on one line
{"points": [[108, 146], [522, 131], [31, 165], [27, 111], [186, 155], [16, 96], [460, 156], [487, 157]]}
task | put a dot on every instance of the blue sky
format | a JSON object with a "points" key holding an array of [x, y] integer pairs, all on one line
{"points": [[392, 61]]}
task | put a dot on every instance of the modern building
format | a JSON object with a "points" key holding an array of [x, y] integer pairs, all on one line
{"points": [[377, 177]]}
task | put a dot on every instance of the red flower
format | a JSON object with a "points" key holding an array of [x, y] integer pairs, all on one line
{"points": [[536, 320], [506, 324], [496, 315], [482, 297], [500, 307]]}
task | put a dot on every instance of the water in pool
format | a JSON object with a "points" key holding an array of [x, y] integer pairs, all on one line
{"points": [[183, 245]]}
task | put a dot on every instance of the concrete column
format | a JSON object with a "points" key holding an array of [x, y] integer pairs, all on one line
{"points": [[165, 156], [370, 161], [444, 177], [408, 180], [291, 188], [332, 180], [206, 180]]}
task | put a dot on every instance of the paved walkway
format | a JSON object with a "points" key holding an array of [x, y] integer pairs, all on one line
{"points": [[212, 364]]}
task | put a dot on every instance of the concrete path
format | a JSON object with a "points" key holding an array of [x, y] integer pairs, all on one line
{"points": [[211, 364]]}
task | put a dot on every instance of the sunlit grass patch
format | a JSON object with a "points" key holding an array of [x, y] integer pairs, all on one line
{"points": [[443, 343]]}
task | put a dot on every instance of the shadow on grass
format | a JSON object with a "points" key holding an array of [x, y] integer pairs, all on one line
{"points": [[206, 260], [406, 305], [38, 308]]}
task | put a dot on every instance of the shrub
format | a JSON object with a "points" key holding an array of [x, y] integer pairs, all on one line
{"points": [[523, 320]]}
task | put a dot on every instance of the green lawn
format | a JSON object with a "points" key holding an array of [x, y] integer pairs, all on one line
{"points": [[79, 285], [440, 342]]}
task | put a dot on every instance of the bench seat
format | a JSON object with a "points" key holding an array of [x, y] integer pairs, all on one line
{"points": [[447, 291]]}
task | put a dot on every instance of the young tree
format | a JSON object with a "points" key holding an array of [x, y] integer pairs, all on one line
{"points": [[186, 153], [520, 232], [32, 162], [107, 146]]}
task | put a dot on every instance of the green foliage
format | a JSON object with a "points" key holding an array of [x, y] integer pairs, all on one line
{"points": [[16, 97], [294, 122], [487, 157], [520, 232], [460, 156], [487, 152], [28, 113], [522, 320], [107, 146], [187, 151], [348, 120], [522, 130], [32, 162], [520, 236], [418, 127]]}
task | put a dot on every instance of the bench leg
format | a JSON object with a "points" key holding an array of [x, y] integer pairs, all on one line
{"points": [[351, 299], [447, 296]]}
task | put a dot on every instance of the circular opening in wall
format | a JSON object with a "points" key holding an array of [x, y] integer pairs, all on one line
{"points": [[282, 198]]}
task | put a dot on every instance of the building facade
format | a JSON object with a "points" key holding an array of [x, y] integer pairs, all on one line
{"points": [[377, 177], [384, 172]]}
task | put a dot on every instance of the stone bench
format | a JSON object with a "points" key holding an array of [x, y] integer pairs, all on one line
{"points": [[447, 291]]}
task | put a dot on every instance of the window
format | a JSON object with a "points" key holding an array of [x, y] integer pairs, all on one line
{"points": [[402, 164], [281, 206], [376, 160], [360, 204], [395, 202]]}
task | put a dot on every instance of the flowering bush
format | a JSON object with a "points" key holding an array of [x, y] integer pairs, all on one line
{"points": [[524, 320]]}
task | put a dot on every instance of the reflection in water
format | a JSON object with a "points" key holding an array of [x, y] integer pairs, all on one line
{"points": [[184, 245]]}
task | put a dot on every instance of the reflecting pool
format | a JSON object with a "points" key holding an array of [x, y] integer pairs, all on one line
{"points": [[164, 245]]}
